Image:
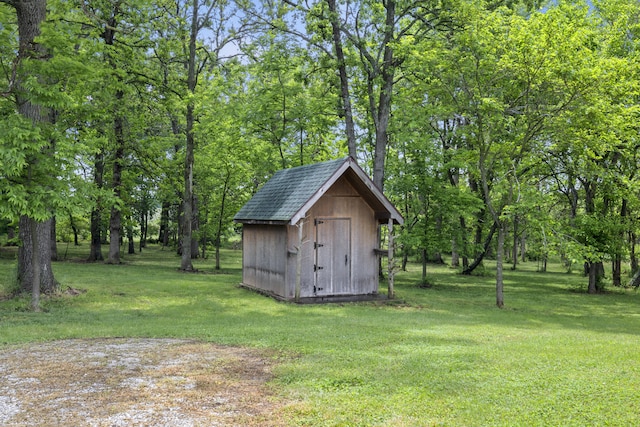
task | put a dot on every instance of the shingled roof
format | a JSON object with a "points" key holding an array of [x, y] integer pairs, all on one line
{"points": [[287, 196]]}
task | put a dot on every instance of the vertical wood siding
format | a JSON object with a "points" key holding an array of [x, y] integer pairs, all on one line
{"points": [[264, 260]]}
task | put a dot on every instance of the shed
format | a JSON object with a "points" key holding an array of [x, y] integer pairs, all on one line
{"points": [[310, 234]]}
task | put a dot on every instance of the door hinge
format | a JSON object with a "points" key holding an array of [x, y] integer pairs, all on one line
{"points": [[317, 245], [318, 221], [316, 267]]}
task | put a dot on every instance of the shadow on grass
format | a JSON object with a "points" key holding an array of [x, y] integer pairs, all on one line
{"points": [[149, 295], [553, 300]]}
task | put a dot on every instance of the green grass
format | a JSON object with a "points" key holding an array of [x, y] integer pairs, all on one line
{"points": [[554, 356]]}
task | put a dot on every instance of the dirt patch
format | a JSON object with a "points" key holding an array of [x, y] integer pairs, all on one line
{"points": [[136, 382]]}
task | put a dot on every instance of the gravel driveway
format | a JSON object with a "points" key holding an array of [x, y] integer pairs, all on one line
{"points": [[135, 382]]}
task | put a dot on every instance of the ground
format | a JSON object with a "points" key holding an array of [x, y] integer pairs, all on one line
{"points": [[136, 382]]}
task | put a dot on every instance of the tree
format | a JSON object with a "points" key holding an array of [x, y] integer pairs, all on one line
{"points": [[424, 174], [187, 200], [345, 93], [110, 36], [593, 156], [373, 35], [505, 76], [292, 108], [231, 160], [29, 133], [185, 54]]}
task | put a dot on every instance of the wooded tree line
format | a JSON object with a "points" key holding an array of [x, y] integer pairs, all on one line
{"points": [[499, 128]]}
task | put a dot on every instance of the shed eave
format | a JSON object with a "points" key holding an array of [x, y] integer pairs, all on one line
{"points": [[297, 217], [261, 221], [383, 217]]}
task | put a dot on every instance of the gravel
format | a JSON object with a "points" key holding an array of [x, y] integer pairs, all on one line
{"points": [[136, 382]]}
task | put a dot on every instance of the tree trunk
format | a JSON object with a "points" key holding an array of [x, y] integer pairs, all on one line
{"points": [[455, 257], [163, 237], [95, 252], [144, 224], [391, 262], [499, 267], [218, 237], [131, 247], [115, 222], [479, 225], [454, 179], [465, 243], [514, 255], [185, 263], [634, 258], [35, 262], [382, 138], [616, 271], [596, 274], [424, 266], [34, 256], [592, 288], [344, 80], [616, 276], [478, 260], [53, 241], [27, 276], [381, 111], [75, 233], [593, 269], [195, 227]]}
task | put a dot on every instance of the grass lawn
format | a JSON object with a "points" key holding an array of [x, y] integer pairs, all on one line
{"points": [[554, 356]]}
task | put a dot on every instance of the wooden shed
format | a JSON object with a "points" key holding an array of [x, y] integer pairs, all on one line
{"points": [[310, 234]]}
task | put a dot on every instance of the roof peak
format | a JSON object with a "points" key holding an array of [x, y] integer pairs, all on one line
{"points": [[293, 190]]}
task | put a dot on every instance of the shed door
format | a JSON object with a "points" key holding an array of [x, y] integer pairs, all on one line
{"points": [[332, 256]]}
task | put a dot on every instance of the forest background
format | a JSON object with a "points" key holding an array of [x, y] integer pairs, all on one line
{"points": [[498, 128]]}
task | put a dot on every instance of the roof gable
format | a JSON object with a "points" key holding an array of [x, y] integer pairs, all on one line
{"points": [[290, 193]]}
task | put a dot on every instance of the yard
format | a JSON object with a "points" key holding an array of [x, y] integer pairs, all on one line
{"points": [[223, 355]]}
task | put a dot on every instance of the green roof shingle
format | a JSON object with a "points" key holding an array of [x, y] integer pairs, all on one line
{"points": [[287, 192]]}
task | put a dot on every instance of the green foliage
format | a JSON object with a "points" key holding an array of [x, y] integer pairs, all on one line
{"points": [[292, 106], [226, 160], [27, 187], [39, 162], [493, 98]]}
